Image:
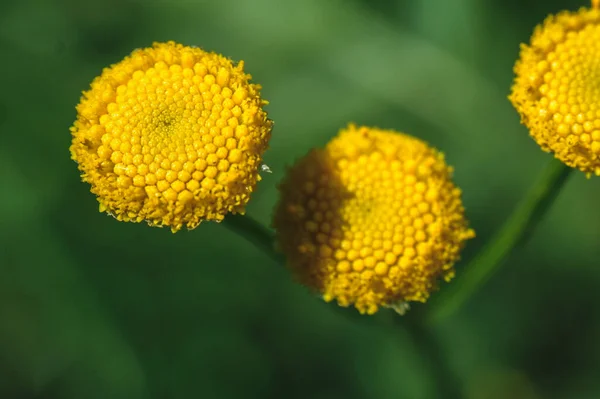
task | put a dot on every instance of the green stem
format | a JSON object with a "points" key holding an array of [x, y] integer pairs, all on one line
{"points": [[445, 382], [514, 232], [255, 233]]}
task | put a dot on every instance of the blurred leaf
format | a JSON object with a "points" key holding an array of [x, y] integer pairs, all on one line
{"points": [[53, 324], [97, 308]]}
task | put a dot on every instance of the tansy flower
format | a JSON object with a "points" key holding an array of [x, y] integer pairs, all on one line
{"points": [[171, 135], [557, 87], [373, 219]]}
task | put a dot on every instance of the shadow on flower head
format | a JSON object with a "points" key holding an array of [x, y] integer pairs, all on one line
{"points": [[372, 219]]}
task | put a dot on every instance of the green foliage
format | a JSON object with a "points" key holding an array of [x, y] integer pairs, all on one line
{"points": [[94, 308]]}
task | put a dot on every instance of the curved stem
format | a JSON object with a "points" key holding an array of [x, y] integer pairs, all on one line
{"points": [[445, 383], [514, 232], [255, 233]]}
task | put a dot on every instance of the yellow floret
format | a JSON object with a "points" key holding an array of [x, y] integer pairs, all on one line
{"points": [[373, 219], [557, 88], [171, 135]]}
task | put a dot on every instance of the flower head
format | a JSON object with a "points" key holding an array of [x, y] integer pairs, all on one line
{"points": [[373, 219], [172, 135], [557, 87]]}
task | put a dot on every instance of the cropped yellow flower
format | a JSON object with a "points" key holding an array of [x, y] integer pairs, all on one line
{"points": [[373, 219], [171, 135], [557, 88]]}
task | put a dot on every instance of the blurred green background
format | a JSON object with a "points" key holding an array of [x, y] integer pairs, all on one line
{"points": [[94, 308]]}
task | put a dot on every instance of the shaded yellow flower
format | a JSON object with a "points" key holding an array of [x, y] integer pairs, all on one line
{"points": [[373, 219], [171, 135], [557, 87]]}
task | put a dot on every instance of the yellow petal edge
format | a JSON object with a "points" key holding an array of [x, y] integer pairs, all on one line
{"points": [[171, 135]]}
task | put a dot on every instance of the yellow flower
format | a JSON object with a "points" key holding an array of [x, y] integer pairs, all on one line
{"points": [[557, 87], [172, 135], [373, 219]]}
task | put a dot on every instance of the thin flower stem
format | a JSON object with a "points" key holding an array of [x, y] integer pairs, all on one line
{"points": [[444, 379], [515, 232], [255, 233], [445, 383]]}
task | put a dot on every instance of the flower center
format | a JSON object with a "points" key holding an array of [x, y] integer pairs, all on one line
{"points": [[571, 89]]}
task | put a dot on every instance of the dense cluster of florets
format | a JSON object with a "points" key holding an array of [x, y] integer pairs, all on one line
{"points": [[557, 88], [171, 135], [373, 219]]}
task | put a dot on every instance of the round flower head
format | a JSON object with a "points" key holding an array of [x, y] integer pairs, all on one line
{"points": [[557, 87], [172, 135], [373, 219]]}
